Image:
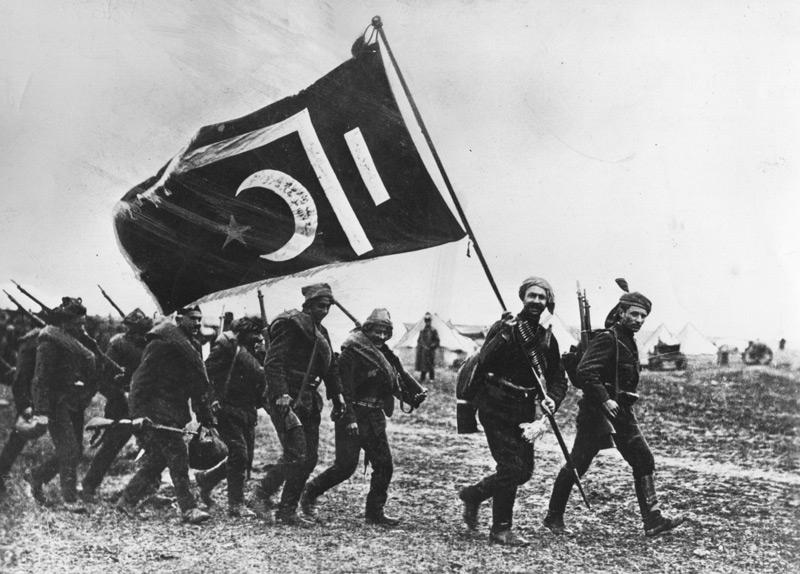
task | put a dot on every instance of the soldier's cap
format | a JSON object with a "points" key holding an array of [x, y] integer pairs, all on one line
{"points": [[248, 324], [316, 290], [70, 308], [186, 310], [542, 284], [378, 317], [636, 299], [628, 300], [427, 317], [138, 320]]}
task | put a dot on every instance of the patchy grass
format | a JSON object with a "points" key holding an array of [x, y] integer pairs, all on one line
{"points": [[703, 424]]}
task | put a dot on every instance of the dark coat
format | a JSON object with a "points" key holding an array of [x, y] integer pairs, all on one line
{"points": [[170, 374], [611, 359], [61, 362], [292, 335], [369, 373], [502, 356], [126, 351], [25, 369], [237, 378], [427, 343]]}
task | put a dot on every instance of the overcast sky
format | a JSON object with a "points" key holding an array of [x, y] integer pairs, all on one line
{"points": [[587, 141]]}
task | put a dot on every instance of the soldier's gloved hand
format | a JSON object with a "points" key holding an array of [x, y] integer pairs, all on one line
{"points": [[506, 316], [27, 414], [611, 408], [283, 404], [216, 408], [352, 429], [338, 407], [549, 406]]}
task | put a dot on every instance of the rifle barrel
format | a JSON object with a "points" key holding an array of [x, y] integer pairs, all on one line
{"points": [[22, 290], [110, 300], [348, 313], [37, 320]]}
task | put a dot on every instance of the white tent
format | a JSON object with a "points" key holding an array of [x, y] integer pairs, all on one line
{"points": [[453, 346], [560, 332], [660, 334], [693, 342]]}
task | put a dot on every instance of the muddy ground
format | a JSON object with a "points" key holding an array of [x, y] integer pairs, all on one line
{"points": [[727, 453]]}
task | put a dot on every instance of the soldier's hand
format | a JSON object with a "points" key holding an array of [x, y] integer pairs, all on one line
{"points": [[27, 414], [283, 404], [216, 408], [352, 429], [549, 406], [611, 408]]}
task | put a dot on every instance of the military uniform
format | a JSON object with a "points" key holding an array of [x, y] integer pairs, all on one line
{"points": [[292, 338], [21, 390], [507, 398], [126, 350], [609, 370], [427, 343], [369, 375], [170, 375], [238, 383], [63, 384]]}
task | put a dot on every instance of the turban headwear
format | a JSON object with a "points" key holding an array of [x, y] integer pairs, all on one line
{"points": [[543, 284], [70, 308], [137, 320], [628, 300], [186, 310], [316, 290], [379, 317], [247, 324]]}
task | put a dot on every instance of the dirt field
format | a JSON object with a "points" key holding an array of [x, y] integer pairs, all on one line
{"points": [[727, 455]]}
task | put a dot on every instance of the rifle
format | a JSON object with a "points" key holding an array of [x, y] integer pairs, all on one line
{"points": [[526, 332], [110, 300], [38, 321], [44, 307], [348, 313], [261, 306], [99, 424], [585, 317]]}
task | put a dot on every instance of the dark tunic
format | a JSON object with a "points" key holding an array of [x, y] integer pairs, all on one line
{"points": [[126, 351], [427, 343], [170, 374]]}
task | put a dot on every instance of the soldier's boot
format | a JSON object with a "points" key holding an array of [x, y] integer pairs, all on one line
{"points": [[554, 520], [309, 502], [37, 487], [195, 516], [374, 513], [503, 534], [471, 508], [11, 451], [654, 522], [236, 505], [239, 510], [207, 479], [287, 515]]}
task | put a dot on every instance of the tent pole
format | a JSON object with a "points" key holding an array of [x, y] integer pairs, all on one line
{"points": [[378, 25]]}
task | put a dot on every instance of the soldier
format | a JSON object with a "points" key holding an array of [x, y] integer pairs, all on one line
{"points": [[63, 384], [170, 374], [299, 347], [239, 386], [369, 372], [608, 375], [22, 378], [427, 343], [125, 349], [507, 397]]}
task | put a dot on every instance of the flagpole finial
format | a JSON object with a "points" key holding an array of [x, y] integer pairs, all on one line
{"points": [[376, 21]]}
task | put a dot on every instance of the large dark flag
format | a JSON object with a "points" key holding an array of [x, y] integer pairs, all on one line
{"points": [[327, 176]]}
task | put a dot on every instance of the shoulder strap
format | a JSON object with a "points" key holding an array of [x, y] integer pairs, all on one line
{"points": [[230, 371]]}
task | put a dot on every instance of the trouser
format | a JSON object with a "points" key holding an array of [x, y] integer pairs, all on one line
{"points": [[11, 451], [238, 434], [628, 440], [373, 439], [300, 454], [426, 372], [162, 450], [114, 439], [514, 458], [66, 431]]}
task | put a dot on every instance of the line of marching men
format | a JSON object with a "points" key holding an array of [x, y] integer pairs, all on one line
{"points": [[149, 376], [158, 370]]}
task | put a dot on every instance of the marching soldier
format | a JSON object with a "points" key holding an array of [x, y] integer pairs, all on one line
{"points": [[299, 357], [21, 390], [239, 386], [171, 373], [608, 375], [369, 372], [63, 384], [125, 349], [508, 397]]}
